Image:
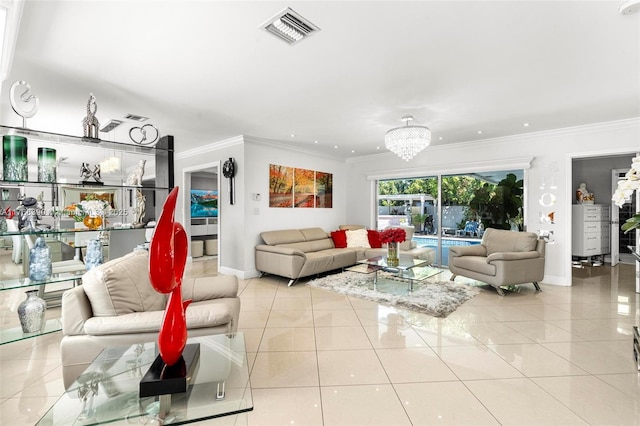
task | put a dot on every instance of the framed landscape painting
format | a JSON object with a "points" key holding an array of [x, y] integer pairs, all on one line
{"points": [[280, 186], [324, 190], [304, 188]]}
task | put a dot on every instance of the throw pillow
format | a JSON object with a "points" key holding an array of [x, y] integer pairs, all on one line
{"points": [[358, 238], [374, 238], [339, 238]]}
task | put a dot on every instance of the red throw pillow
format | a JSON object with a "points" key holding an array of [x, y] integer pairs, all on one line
{"points": [[339, 238], [374, 238]]}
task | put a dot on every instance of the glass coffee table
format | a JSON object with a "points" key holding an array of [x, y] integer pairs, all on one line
{"points": [[108, 391], [408, 271]]}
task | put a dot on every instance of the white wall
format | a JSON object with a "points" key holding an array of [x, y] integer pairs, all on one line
{"points": [[551, 154], [240, 224]]}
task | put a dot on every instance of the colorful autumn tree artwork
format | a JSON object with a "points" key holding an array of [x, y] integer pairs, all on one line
{"points": [[304, 188], [324, 190], [280, 186]]}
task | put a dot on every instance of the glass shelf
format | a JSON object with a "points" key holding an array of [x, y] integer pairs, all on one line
{"points": [[45, 232], [26, 282], [15, 334], [79, 140], [88, 185]]}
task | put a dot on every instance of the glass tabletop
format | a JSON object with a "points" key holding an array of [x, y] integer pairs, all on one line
{"points": [[108, 391], [405, 262]]}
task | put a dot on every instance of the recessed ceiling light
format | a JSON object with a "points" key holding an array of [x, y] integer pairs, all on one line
{"points": [[526, 124], [335, 146], [315, 141], [377, 147], [292, 135], [479, 132], [353, 151], [440, 138]]}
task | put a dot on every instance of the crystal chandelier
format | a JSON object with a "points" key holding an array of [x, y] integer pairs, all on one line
{"points": [[407, 141]]}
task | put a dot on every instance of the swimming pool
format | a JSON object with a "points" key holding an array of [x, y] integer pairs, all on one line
{"points": [[432, 242]]}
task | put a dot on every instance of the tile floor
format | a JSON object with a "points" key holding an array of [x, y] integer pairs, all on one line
{"points": [[562, 356]]}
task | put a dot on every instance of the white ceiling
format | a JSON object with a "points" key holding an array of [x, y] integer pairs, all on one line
{"points": [[204, 71]]}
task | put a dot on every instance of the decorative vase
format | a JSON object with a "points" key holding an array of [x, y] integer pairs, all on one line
{"points": [[46, 165], [94, 255], [39, 261], [92, 222], [14, 158], [392, 254], [31, 312]]}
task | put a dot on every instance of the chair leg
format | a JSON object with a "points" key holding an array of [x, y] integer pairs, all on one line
{"points": [[291, 282], [453, 277], [535, 283], [500, 291]]}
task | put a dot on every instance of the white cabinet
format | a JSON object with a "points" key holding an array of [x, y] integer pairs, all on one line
{"points": [[590, 230]]}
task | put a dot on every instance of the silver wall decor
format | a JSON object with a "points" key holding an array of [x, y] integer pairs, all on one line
{"points": [[26, 104]]}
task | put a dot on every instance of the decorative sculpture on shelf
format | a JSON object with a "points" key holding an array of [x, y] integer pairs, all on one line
{"points": [[139, 135], [167, 260], [135, 178], [17, 103], [90, 124], [583, 196], [140, 208], [86, 173]]}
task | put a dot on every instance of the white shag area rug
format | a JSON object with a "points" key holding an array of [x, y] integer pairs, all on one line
{"points": [[437, 299]]}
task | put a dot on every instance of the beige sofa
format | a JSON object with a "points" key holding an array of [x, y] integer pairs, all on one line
{"points": [[117, 306], [297, 253], [503, 258]]}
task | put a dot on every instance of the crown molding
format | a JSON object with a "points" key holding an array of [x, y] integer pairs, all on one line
{"points": [[522, 137], [211, 147], [281, 145]]}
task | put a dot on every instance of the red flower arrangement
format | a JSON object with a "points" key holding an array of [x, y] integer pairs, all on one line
{"points": [[393, 235]]}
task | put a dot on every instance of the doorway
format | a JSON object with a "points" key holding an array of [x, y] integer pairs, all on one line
{"points": [[200, 211]]}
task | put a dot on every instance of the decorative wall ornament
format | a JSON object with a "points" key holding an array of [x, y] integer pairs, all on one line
{"points": [[90, 124], [140, 136], [26, 99]]}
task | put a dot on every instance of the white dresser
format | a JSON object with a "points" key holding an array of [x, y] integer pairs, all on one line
{"points": [[590, 230]]}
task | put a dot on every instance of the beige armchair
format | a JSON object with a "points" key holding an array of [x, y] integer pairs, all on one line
{"points": [[503, 258], [116, 306]]}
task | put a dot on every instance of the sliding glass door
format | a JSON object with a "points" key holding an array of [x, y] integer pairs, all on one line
{"points": [[471, 203]]}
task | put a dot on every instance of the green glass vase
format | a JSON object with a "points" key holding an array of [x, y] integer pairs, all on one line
{"points": [[14, 158], [46, 165]]}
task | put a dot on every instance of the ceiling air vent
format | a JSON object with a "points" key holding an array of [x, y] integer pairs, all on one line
{"points": [[135, 117], [290, 26], [111, 124]]}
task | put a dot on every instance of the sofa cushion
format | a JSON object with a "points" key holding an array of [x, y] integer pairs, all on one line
{"points": [[475, 263], [284, 236], [207, 288], [339, 238], [312, 234], [406, 245], [121, 286], [210, 313], [358, 238], [348, 227], [374, 238], [499, 240]]}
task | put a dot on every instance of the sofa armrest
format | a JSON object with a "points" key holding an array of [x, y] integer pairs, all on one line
{"points": [[208, 288], [513, 255], [76, 310], [280, 250], [474, 250]]}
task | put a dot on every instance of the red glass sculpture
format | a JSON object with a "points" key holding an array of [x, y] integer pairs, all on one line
{"points": [[167, 260]]}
